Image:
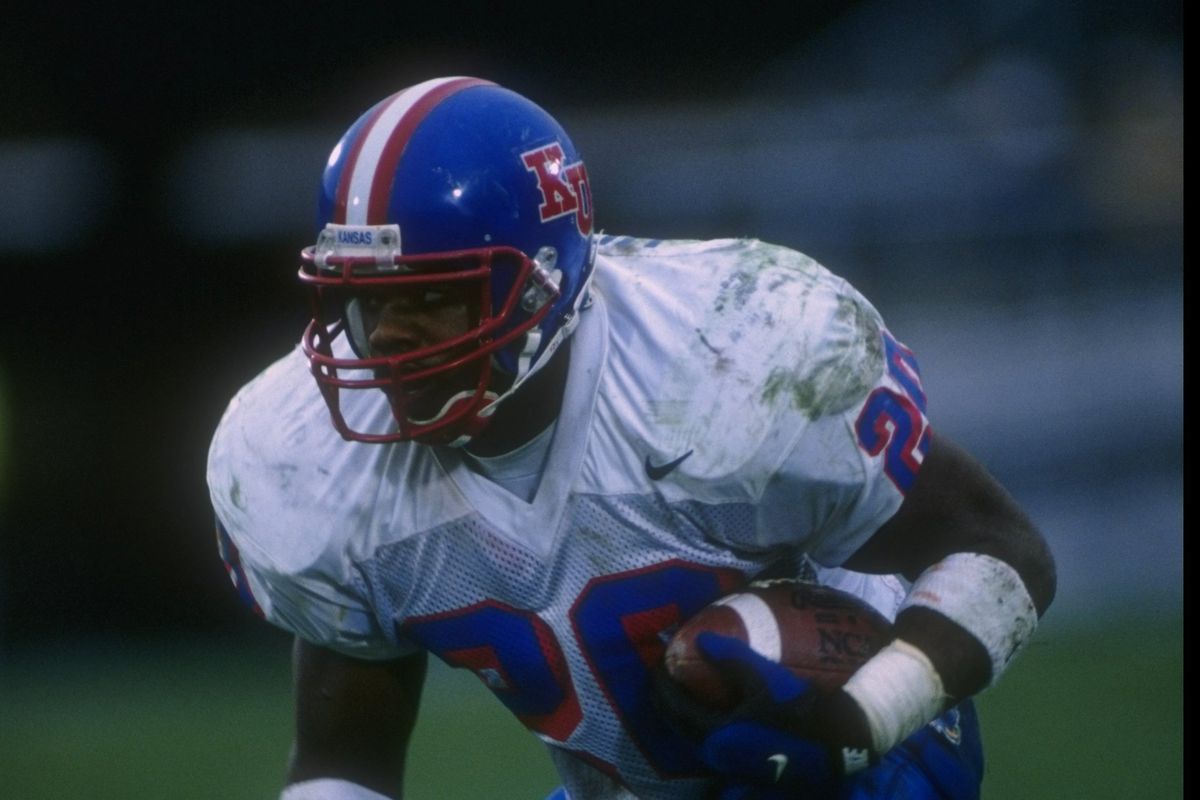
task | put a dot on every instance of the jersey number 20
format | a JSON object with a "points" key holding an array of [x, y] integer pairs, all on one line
{"points": [[893, 422], [621, 624]]}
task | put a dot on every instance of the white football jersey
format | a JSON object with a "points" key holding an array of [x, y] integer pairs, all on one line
{"points": [[731, 406]]}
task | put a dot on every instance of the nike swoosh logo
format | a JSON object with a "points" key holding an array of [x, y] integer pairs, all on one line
{"points": [[780, 761], [660, 471]]}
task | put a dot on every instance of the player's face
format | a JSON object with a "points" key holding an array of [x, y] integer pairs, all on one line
{"points": [[400, 321]]}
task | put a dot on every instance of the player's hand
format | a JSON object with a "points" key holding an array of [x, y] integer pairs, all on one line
{"points": [[785, 734]]}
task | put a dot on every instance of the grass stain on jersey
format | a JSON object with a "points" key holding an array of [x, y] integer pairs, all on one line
{"points": [[771, 266], [736, 290], [840, 380]]}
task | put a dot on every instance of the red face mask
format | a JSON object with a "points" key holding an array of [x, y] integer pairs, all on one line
{"points": [[396, 313]]}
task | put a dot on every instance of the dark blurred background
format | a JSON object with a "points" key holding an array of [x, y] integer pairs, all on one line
{"points": [[1003, 179]]}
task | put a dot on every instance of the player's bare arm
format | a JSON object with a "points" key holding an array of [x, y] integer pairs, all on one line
{"points": [[354, 717], [955, 506], [982, 576]]}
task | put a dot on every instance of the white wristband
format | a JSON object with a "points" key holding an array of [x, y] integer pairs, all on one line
{"points": [[899, 691], [329, 789], [985, 596]]}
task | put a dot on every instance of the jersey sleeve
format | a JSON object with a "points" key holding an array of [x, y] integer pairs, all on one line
{"points": [[315, 609], [857, 454], [288, 550]]}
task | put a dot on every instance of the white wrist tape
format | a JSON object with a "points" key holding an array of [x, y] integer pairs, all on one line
{"points": [[985, 596], [899, 691], [329, 789]]}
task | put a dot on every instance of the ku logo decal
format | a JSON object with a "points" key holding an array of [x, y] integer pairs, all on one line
{"points": [[564, 187]]}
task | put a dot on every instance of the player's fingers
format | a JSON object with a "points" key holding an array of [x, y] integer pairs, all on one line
{"points": [[679, 708], [737, 658]]}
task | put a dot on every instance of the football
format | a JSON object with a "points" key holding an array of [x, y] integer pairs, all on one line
{"points": [[819, 633]]}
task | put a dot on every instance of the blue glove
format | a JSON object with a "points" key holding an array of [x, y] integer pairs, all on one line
{"points": [[785, 735]]}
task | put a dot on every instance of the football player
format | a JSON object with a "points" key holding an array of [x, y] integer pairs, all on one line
{"points": [[532, 450]]}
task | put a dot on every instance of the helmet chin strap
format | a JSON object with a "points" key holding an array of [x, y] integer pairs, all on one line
{"points": [[472, 423], [526, 366]]}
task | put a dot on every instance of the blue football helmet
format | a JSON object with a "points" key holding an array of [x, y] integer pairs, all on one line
{"points": [[454, 180]]}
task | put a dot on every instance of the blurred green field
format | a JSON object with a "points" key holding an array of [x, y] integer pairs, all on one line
{"points": [[1083, 714]]}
